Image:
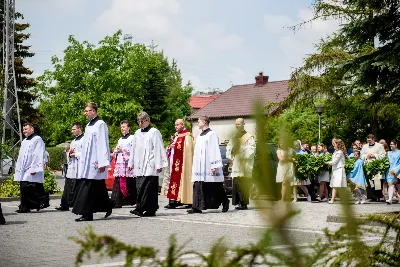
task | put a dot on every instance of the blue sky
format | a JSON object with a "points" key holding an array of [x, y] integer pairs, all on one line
{"points": [[216, 43]]}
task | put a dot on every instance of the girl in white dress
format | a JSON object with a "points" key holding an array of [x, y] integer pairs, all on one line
{"points": [[285, 171], [338, 178]]}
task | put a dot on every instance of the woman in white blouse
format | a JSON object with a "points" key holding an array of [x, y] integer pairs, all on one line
{"points": [[338, 178]]}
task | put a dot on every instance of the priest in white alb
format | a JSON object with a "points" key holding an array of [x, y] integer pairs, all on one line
{"points": [[207, 174], [241, 149], [29, 171], [147, 159], [92, 168], [72, 181]]}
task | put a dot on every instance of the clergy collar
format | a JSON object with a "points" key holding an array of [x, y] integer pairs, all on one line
{"points": [[78, 137], [372, 144], [145, 130], [126, 136], [31, 136], [93, 121], [205, 131]]}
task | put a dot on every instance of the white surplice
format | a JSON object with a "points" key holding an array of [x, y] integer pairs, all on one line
{"points": [[73, 162], [147, 153], [95, 151], [244, 159], [207, 156], [379, 153], [30, 160]]}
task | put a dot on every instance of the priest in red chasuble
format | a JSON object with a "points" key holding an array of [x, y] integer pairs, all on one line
{"points": [[180, 155]]}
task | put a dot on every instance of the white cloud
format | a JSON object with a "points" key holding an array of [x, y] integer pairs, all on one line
{"points": [[216, 37], [194, 80], [295, 46]]}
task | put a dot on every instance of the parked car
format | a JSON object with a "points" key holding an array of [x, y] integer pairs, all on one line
{"points": [[110, 176], [255, 192], [7, 166]]}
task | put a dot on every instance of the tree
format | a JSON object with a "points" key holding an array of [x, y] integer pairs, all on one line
{"points": [[24, 82], [122, 78], [349, 65]]}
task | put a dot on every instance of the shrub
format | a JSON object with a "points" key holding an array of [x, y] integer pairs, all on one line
{"points": [[50, 183], [9, 188], [55, 157]]}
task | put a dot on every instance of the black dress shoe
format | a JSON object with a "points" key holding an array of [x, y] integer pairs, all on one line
{"points": [[84, 219], [225, 206], [192, 211], [108, 213], [2, 221], [149, 214], [137, 213], [169, 206], [241, 208], [23, 211], [62, 209]]}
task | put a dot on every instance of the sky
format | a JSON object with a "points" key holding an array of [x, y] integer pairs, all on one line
{"points": [[217, 44]]}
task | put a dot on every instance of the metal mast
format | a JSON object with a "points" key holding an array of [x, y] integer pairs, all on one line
{"points": [[12, 134]]}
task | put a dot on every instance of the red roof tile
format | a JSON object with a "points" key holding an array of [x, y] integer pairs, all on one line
{"points": [[239, 99], [201, 101]]}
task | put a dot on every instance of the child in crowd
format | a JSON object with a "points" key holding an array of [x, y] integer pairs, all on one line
{"points": [[357, 179]]}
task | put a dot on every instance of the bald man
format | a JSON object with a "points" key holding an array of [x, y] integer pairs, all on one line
{"points": [[180, 157], [241, 149]]}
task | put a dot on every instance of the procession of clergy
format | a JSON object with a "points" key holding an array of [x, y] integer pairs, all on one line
{"points": [[193, 170]]}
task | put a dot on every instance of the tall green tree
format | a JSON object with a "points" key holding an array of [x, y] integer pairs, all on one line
{"points": [[25, 82], [123, 78], [359, 63]]}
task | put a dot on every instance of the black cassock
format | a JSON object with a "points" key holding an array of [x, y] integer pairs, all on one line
{"points": [[147, 194], [208, 195], [33, 196], [92, 197], [71, 189], [118, 199]]}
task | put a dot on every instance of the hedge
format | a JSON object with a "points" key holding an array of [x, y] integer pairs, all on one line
{"points": [[9, 188], [55, 157]]}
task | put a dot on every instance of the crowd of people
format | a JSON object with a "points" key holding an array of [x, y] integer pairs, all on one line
{"points": [[382, 187], [194, 175], [193, 169]]}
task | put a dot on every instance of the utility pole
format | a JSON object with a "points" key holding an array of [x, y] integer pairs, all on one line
{"points": [[12, 133]]}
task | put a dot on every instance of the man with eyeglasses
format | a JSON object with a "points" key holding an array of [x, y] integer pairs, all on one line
{"points": [[147, 159], [93, 162]]}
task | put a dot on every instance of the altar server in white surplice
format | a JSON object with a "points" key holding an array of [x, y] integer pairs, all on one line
{"points": [[72, 181], [370, 152], [147, 159], [29, 171], [207, 174], [93, 162]]}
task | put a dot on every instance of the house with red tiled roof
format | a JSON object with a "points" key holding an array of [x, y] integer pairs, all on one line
{"points": [[199, 101], [238, 102]]}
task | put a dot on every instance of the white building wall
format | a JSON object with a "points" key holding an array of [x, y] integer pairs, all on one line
{"points": [[225, 128]]}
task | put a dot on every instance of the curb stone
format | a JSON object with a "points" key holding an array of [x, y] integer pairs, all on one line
{"points": [[9, 199]]}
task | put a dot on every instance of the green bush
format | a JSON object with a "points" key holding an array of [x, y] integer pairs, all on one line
{"points": [[9, 188], [50, 182], [55, 157]]}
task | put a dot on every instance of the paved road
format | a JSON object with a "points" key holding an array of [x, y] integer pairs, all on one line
{"points": [[41, 238]]}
